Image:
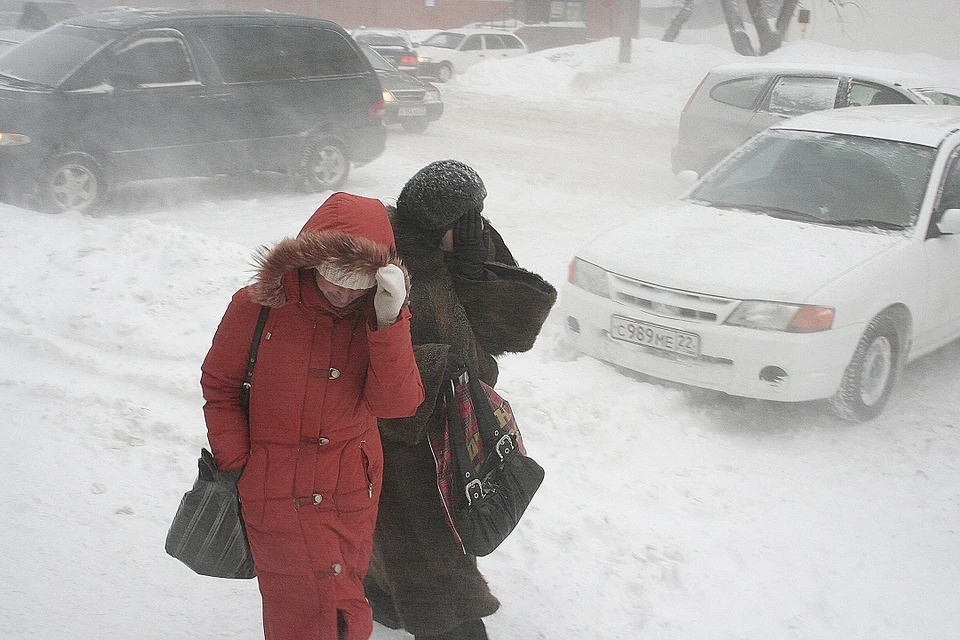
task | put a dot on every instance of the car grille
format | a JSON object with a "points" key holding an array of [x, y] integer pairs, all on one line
{"points": [[671, 303], [413, 95]]}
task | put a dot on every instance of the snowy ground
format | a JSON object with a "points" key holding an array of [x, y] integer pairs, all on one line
{"points": [[667, 513]]}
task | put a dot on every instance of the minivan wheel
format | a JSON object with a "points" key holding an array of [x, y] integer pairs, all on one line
{"points": [[415, 125], [445, 73], [869, 377], [324, 166], [72, 182]]}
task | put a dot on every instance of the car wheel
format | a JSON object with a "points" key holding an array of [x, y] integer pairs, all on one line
{"points": [[72, 182], [445, 73], [324, 165], [415, 125], [869, 377]]}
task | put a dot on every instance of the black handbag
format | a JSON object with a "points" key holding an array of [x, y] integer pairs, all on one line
{"points": [[207, 533], [497, 478]]}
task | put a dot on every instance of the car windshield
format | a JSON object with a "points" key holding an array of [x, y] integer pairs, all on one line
{"points": [[54, 55], [444, 40], [376, 60], [940, 96], [823, 178]]}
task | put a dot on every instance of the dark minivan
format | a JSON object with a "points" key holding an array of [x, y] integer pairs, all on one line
{"points": [[127, 94]]}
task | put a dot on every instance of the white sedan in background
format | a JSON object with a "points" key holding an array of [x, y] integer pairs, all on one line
{"points": [[812, 263]]}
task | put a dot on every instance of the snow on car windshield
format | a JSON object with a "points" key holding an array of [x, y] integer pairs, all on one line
{"points": [[823, 178], [55, 55]]}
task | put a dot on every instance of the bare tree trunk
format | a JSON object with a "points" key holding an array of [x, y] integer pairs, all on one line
{"points": [[678, 21], [738, 33], [786, 15], [768, 38]]}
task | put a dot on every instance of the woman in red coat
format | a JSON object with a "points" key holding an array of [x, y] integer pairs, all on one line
{"points": [[335, 355]]}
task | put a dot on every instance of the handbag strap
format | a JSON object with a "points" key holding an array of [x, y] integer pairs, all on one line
{"points": [[252, 359]]}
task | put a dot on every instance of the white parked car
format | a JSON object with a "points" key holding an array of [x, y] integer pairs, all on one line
{"points": [[813, 262], [449, 52]]}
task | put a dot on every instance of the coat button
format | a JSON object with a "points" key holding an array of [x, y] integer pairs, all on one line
{"points": [[317, 498], [323, 441], [334, 373], [336, 569]]}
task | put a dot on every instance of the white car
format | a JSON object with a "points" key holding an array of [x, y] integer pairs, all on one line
{"points": [[449, 52], [813, 262]]}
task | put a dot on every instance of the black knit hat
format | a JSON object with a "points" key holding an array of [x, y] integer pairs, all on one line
{"points": [[437, 195]]}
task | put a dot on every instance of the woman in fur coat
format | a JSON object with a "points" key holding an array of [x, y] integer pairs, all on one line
{"points": [[335, 355], [468, 298]]}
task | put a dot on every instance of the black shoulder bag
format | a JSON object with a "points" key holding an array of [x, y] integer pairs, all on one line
{"points": [[497, 480], [207, 532]]}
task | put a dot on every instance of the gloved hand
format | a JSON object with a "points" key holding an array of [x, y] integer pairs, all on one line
{"points": [[391, 292], [469, 250]]}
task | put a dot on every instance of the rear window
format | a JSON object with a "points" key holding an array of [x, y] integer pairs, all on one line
{"points": [[254, 53], [742, 92], [52, 56]]}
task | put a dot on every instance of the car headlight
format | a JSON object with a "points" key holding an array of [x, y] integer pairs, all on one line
{"points": [[431, 96], [13, 139], [776, 316], [589, 277], [388, 96]]}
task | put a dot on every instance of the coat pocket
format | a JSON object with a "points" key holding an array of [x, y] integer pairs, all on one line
{"points": [[251, 486], [361, 474]]}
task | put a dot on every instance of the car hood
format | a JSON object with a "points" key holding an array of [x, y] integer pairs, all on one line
{"points": [[734, 254]]}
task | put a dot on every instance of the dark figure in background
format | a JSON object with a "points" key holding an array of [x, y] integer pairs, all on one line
{"points": [[469, 298], [33, 18]]}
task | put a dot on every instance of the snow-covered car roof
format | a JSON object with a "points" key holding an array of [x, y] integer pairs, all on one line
{"points": [[914, 123], [877, 74]]}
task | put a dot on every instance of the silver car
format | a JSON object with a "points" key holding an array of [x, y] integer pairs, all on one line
{"points": [[735, 101]]}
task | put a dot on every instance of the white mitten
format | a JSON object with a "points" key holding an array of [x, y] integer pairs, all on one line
{"points": [[391, 292]]}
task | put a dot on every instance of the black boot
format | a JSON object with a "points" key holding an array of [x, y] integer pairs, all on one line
{"points": [[469, 630]]}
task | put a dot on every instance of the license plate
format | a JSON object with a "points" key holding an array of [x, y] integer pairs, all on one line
{"points": [[652, 335], [412, 111]]}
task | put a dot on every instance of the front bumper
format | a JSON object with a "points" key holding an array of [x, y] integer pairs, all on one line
{"points": [[735, 360]]}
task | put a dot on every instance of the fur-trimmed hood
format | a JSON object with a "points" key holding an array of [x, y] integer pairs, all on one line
{"points": [[348, 231]]}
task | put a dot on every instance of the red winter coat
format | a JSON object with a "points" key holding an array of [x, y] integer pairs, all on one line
{"points": [[311, 449]]}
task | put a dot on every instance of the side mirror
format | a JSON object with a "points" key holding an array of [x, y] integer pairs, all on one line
{"points": [[687, 178], [949, 223]]}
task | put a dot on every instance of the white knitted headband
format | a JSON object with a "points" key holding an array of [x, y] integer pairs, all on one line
{"points": [[346, 278]]}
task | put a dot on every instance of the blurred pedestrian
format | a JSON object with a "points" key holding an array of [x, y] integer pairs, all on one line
{"points": [[470, 299], [335, 354]]}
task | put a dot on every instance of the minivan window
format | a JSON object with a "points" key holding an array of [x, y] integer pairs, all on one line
{"points": [[793, 95], [742, 92], [493, 42], [258, 53], [54, 55], [511, 42], [155, 58], [472, 44]]}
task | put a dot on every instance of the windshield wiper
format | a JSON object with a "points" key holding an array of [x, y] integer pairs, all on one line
{"points": [[773, 212], [866, 222]]}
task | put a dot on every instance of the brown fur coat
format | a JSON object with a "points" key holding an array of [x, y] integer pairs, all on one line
{"points": [[433, 584]]}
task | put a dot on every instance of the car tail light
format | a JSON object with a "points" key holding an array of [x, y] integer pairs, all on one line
{"points": [[408, 59], [694, 94], [377, 109]]}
